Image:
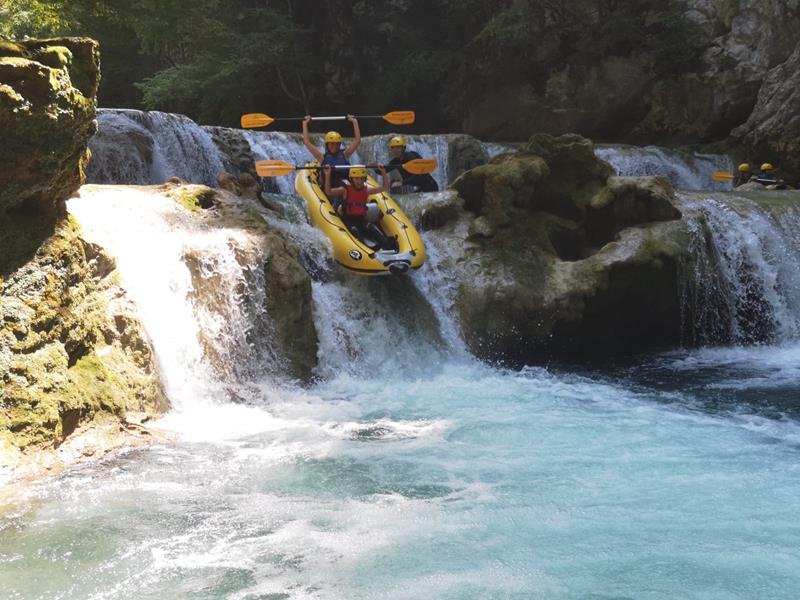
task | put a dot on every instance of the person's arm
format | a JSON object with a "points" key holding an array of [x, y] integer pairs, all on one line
{"points": [[384, 181], [356, 135], [329, 191], [309, 146]]}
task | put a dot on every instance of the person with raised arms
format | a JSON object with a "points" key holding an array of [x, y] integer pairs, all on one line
{"points": [[333, 154]]}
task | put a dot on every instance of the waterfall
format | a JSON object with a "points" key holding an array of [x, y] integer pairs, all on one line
{"points": [[199, 288], [138, 147], [743, 286], [686, 171]]}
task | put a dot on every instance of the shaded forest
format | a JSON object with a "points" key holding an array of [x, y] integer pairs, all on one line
{"points": [[214, 59]]}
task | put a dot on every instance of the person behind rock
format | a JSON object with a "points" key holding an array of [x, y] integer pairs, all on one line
{"points": [[743, 174], [768, 176], [333, 154], [400, 155], [355, 194]]}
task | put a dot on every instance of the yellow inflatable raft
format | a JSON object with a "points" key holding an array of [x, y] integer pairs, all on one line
{"points": [[353, 254]]}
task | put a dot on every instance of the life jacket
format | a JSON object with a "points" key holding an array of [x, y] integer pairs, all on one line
{"points": [[355, 202], [338, 159]]}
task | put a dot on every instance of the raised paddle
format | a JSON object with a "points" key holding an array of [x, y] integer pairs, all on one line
{"points": [[278, 168], [723, 176], [397, 117]]}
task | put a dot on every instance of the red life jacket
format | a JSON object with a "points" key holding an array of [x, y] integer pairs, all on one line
{"points": [[355, 203]]}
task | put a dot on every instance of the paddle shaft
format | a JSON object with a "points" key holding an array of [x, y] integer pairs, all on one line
{"points": [[338, 118]]}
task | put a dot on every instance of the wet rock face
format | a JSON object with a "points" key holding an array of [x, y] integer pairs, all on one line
{"points": [[560, 258], [627, 97], [47, 109], [773, 129], [70, 344]]}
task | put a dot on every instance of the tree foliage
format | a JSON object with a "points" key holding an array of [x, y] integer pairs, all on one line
{"points": [[214, 59]]}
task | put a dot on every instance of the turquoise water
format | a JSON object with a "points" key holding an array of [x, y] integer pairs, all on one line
{"points": [[468, 482]]}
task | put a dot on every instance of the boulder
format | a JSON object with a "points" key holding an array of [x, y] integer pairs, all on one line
{"points": [[71, 347], [70, 344], [555, 257], [47, 109]]}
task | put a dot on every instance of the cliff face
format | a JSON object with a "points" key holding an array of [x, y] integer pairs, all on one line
{"points": [[686, 77], [70, 344]]}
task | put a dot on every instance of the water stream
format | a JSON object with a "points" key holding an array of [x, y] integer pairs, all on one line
{"points": [[411, 470]]}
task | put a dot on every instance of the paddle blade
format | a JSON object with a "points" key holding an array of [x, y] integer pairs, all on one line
{"points": [[400, 117], [273, 168], [723, 176], [420, 166], [253, 120]]}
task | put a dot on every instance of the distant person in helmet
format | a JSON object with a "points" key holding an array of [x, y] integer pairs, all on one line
{"points": [[353, 208], [769, 177], [417, 183], [333, 154], [743, 174]]}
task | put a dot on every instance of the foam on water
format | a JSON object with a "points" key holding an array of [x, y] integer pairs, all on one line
{"points": [[489, 484]]}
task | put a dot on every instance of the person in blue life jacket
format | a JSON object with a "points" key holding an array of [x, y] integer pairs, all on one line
{"points": [[410, 181], [355, 193], [332, 153]]}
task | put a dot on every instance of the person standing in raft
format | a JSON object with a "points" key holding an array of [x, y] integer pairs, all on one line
{"points": [[419, 183], [333, 154], [353, 209]]}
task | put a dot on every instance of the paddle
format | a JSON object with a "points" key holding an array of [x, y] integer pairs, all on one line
{"points": [[278, 168], [723, 176], [397, 117]]}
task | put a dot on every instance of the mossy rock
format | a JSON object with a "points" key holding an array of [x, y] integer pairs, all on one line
{"points": [[68, 345], [194, 198], [47, 103]]}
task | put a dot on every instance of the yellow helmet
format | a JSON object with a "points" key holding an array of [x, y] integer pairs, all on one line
{"points": [[357, 172], [396, 141], [744, 167], [333, 137], [767, 167]]}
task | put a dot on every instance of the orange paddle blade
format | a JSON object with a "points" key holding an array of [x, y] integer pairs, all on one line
{"points": [[723, 176], [420, 166], [254, 120], [273, 168], [400, 117]]}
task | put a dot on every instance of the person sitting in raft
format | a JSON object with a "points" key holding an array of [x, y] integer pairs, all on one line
{"points": [[743, 174], [333, 154], [418, 183], [353, 209], [769, 177]]}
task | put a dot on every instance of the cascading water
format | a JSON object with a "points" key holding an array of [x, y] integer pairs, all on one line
{"points": [[410, 470], [686, 171], [138, 147], [744, 286]]}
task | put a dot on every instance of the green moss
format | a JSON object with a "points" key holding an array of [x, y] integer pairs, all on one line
{"points": [[194, 198], [57, 57]]}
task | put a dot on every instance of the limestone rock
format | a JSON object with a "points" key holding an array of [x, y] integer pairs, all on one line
{"points": [[47, 109], [560, 258], [773, 129], [70, 344]]}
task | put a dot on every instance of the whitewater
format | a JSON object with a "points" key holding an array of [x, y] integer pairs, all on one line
{"points": [[409, 469]]}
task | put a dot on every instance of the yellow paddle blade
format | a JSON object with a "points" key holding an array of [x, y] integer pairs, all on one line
{"points": [[723, 176], [273, 168], [420, 166], [254, 120], [400, 117]]}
